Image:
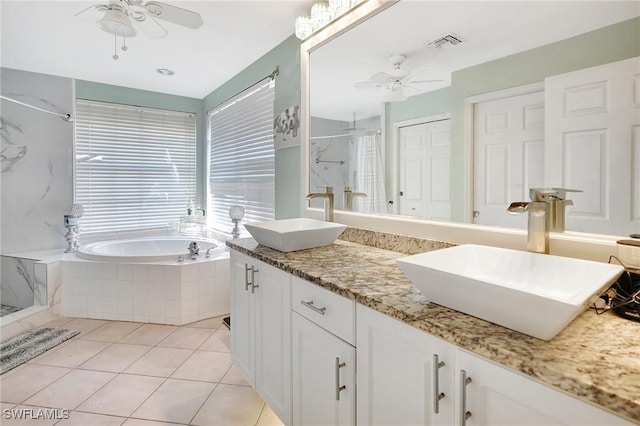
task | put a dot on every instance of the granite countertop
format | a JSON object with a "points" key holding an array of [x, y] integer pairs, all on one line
{"points": [[596, 358]]}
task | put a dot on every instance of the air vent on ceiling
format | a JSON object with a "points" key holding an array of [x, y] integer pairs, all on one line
{"points": [[445, 40]]}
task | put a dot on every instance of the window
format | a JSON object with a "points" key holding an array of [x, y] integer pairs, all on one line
{"points": [[135, 167], [241, 167]]}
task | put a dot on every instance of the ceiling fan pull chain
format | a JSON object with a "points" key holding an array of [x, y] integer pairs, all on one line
{"points": [[124, 43], [115, 47]]}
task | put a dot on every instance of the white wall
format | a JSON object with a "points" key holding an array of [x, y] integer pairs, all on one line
{"points": [[36, 182]]}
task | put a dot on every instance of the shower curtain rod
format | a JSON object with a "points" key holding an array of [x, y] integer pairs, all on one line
{"points": [[65, 117], [367, 132], [272, 76]]}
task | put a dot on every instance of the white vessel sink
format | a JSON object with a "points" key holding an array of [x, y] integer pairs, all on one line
{"points": [[295, 234], [532, 293]]}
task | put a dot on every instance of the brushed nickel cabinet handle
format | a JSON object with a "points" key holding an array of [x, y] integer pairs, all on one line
{"points": [[253, 279], [464, 381], [339, 388], [246, 276], [437, 395], [311, 306]]}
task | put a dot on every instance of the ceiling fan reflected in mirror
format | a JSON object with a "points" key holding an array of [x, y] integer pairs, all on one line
{"points": [[394, 82], [124, 18]]}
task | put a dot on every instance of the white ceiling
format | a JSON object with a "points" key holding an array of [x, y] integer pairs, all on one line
{"points": [[45, 37], [491, 29]]}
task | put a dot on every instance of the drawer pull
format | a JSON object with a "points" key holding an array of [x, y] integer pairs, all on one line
{"points": [[339, 388], [437, 395], [464, 381], [311, 306]]}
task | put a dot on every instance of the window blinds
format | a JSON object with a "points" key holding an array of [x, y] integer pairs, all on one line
{"points": [[241, 167], [135, 167]]}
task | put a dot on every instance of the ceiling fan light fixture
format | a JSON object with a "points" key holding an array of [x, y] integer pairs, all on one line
{"points": [[117, 22], [396, 94]]}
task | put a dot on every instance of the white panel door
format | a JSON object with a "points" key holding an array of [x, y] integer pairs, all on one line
{"points": [[396, 373], [508, 156], [424, 161], [592, 144]]}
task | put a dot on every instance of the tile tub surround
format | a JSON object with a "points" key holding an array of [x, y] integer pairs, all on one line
{"points": [[596, 358], [163, 293]]}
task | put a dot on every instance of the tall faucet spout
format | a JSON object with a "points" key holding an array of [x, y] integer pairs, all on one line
{"points": [[328, 201]]}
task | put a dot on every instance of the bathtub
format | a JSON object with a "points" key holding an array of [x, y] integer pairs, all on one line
{"points": [[147, 249], [142, 280]]}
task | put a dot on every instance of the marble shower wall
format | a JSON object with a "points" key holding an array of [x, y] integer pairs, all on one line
{"points": [[37, 148], [18, 282]]}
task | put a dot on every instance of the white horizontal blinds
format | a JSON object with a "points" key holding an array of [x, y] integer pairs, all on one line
{"points": [[242, 157], [135, 167]]}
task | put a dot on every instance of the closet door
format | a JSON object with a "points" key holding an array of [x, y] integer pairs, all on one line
{"points": [[592, 143]]}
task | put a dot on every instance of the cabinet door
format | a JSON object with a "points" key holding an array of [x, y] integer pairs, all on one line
{"points": [[397, 373], [322, 365], [242, 314], [497, 396], [273, 338]]}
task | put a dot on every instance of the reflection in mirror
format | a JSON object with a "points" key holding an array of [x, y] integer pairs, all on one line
{"points": [[463, 107]]}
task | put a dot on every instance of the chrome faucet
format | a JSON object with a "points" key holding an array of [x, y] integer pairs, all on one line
{"points": [[349, 196], [194, 249], [546, 213], [328, 201]]}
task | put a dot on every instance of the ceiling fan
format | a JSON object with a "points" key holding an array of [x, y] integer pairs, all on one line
{"points": [[394, 81], [125, 17]]}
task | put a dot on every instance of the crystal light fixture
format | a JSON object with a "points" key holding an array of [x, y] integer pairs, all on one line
{"points": [[322, 13]]}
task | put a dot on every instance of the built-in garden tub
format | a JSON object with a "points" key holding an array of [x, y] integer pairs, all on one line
{"points": [[150, 279]]}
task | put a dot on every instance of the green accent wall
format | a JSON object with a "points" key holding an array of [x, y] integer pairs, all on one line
{"points": [[286, 56]]}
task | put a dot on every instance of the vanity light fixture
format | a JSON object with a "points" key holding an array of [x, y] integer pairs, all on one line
{"points": [[322, 13]]}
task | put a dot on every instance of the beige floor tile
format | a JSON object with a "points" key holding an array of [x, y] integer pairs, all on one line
{"points": [[235, 377], [71, 390], [187, 338], [204, 366], [84, 325], [218, 342], [115, 358], [122, 396], [25, 415], [211, 323], [161, 362], [269, 418], [139, 422], [57, 323], [230, 405], [112, 331], [72, 354], [149, 334], [28, 381], [175, 401], [87, 419]]}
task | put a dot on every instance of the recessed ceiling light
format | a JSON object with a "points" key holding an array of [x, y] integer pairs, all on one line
{"points": [[164, 71]]}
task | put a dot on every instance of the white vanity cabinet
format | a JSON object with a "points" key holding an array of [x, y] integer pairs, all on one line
{"points": [[324, 365], [261, 329], [493, 396], [405, 376]]}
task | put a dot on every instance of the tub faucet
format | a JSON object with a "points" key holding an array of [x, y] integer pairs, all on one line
{"points": [[194, 250], [349, 196], [328, 201]]}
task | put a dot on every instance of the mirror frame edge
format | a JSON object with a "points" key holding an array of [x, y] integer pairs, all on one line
{"points": [[569, 244]]}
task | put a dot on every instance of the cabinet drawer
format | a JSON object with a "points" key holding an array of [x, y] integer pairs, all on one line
{"points": [[330, 311]]}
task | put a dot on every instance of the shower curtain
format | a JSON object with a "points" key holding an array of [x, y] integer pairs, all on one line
{"points": [[369, 175]]}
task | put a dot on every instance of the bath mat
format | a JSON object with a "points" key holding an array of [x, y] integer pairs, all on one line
{"points": [[28, 345], [8, 310]]}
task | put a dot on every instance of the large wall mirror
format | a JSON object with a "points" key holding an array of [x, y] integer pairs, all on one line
{"points": [[449, 111]]}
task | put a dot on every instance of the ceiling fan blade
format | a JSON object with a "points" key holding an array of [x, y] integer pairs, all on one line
{"points": [[177, 15], [148, 25], [363, 85], [96, 6], [423, 81], [381, 77]]}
